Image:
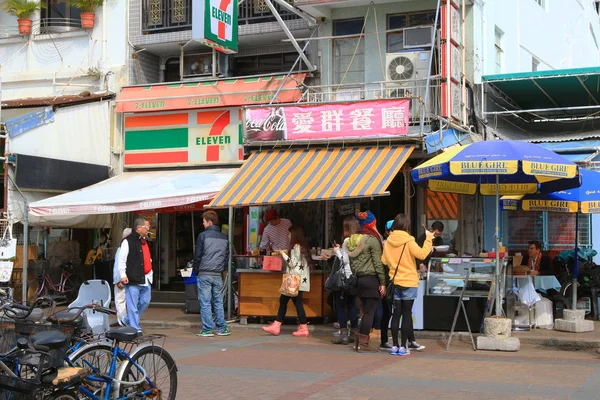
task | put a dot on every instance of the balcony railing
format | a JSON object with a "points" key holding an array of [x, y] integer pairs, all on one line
{"points": [[257, 12], [414, 90], [176, 15], [166, 15]]}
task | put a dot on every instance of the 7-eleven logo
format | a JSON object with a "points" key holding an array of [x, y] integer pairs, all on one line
{"points": [[219, 141], [224, 18]]}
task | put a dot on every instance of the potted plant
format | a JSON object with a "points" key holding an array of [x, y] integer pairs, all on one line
{"points": [[88, 8], [22, 9]]}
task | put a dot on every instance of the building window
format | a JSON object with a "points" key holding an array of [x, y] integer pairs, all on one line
{"points": [[266, 64], [58, 16], [555, 230], [535, 64], [166, 15], [401, 21], [499, 52], [349, 52]]}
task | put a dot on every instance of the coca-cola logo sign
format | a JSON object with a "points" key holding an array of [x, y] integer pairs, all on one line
{"points": [[265, 124]]}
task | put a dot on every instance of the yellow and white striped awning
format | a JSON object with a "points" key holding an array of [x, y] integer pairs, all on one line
{"points": [[298, 175]]}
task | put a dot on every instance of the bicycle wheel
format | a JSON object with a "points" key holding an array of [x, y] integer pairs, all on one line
{"points": [[96, 358], [160, 369]]}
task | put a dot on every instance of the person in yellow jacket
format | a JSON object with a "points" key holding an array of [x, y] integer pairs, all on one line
{"points": [[399, 253]]}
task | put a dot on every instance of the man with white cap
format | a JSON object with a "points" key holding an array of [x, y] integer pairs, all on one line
{"points": [[120, 300]]}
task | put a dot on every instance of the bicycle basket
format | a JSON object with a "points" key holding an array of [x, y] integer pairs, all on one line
{"points": [[7, 334], [20, 388]]}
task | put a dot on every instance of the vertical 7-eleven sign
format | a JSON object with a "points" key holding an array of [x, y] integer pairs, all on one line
{"points": [[171, 139], [215, 23]]}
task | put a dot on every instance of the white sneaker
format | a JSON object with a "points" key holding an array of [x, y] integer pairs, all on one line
{"points": [[415, 346]]}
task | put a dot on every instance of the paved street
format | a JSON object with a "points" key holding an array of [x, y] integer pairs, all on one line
{"points": [[250, 365]]}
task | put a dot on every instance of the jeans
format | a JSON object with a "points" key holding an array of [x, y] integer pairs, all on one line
{"points": [[210, 296], [137, 298], [283, 302], [346, 309]]}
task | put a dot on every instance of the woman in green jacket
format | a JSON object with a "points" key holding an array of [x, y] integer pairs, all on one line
{"points": [[364, 254]]}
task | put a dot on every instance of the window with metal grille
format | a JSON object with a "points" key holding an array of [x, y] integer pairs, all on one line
{"points": [[555, 230], [349, 52], [499, 52]]}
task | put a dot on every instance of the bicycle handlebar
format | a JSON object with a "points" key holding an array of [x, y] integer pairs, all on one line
{"points": [[94, 307], [12, 307]]}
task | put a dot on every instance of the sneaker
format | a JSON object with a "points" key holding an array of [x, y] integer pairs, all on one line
{"points": [[385, 347], [394, 350], [224, 332], [205, 334], [416, 346], [403, 351]]}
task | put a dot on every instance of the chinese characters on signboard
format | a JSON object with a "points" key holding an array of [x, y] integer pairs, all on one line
{"points": [[331, 121]]}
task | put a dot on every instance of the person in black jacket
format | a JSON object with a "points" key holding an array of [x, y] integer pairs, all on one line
{"points": [[538, 263], [211, 258], [135, 270]]}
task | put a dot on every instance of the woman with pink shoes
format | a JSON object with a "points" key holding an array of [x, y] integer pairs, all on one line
{"points": [[299, 263]]}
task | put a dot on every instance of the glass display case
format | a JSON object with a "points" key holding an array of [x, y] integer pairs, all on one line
{"points": [[446, 276], [445, 280]]}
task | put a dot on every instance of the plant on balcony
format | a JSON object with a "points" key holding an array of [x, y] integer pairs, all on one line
{"points": [[88, 8], [22, 9]]}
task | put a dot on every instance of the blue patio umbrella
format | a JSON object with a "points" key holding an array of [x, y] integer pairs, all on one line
{"points": [[498, 167], [585, 200]]}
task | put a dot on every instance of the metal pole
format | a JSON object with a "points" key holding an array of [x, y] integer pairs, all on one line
{"points": [[541, 110], [498, 305], [437, 13], [25, 239], [193, 237], [286, 30], [214, 63], [576, 265], [229, 280]]}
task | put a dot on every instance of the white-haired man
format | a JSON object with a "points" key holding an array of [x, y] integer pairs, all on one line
{"points": [[120, 299]]}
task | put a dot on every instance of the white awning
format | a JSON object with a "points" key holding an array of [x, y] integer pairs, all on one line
{"points": [[134, 191]]}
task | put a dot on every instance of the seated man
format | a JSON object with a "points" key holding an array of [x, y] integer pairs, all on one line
{"points": [[538, 263]]}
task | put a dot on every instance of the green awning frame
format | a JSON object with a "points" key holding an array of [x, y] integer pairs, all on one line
{"points": [[568, 93]]}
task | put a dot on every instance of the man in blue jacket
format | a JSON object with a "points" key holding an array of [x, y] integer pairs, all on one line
{"points": [[211, 258]]}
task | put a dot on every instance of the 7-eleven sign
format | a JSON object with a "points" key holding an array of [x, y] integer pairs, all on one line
{"points": [[215, 23], [216, 137]]}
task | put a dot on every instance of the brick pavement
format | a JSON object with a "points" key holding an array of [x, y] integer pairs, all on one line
{"points": [[250, 365]]}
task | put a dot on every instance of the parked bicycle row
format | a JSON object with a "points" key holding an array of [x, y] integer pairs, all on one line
{"points": [[73, 354]]}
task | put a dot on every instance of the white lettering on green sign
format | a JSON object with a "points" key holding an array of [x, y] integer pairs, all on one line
{"points": [[212, 140], [221, 15]]}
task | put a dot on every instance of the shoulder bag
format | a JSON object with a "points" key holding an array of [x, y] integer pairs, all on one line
{"points": [[390, 289], [290, 284]]}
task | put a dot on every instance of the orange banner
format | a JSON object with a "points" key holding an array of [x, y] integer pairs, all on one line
{"points": [[209, 94]]}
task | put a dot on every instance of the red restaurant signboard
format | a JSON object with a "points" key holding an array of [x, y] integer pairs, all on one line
{"points": [[377, 118]]}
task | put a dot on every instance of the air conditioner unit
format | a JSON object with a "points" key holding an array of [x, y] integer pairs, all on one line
{"points": [[197, 65], [406, 75], [417, 37]]}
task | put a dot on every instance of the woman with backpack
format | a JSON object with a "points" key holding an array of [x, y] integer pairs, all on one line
{"points": [[299, 263], [399, 253], [346, 300]]}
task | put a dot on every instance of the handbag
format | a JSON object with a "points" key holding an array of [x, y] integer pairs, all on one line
{"points": [[290, 284], [389, 290], [335, 281], [8, 245]]}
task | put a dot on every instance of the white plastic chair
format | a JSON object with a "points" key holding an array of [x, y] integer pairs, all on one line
{"points": [[96, 291]]}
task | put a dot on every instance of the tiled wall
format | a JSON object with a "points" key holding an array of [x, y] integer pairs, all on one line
{"points": [[144, 69]]}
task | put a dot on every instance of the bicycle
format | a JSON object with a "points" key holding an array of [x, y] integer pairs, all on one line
{"points": [[136, 365], [42, 283], [103, 381]]}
